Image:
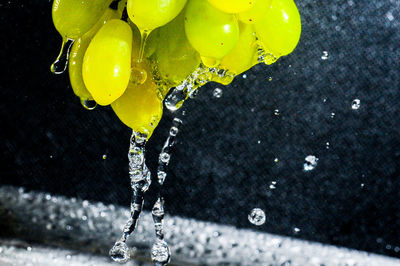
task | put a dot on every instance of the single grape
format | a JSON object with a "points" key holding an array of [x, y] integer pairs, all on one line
{"points": [[140, 107], [106, 65], [73, 18], [151, 14], [257, 12], [241, 58], [279, 31], [210, 31], [232, 6], [78, 51], [175, 58]]}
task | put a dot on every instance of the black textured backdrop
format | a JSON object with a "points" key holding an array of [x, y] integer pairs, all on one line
{"points": [[224, 163]]}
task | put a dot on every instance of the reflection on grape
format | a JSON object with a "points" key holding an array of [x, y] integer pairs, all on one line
{"points": [[232, 6]]}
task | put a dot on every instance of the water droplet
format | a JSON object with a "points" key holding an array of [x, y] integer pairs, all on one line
{"points": [[173, 131], [270, 79], [355, 104], [389, 16], [332, 115], [324, 100], [244, 76], [217, 93], [119, 252], [138, 75], [61, 63], [362, 185], [259, 141], [160, 252], [29, 249], [276, 112], [257, 216], [68, 256], [327, 145], [325, 55], [104, 156], [89, 104], [164, 157], [296, 230], [276, 160], [311, 163]]}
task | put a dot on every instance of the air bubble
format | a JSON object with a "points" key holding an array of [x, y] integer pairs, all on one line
{"points": [[257, 216], [311, 163], [355, 104]]}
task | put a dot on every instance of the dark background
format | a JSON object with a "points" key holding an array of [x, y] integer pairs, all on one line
{"points": [[224, 163]]}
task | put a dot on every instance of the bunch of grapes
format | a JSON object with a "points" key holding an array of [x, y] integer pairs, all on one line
{"points": [[130, 53]]}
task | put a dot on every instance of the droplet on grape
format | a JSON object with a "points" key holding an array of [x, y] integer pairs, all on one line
{"points": [[89, 104], [311, 163], [355, 104], [119, 252], [138, 75], [257, 216], [61, 63]]}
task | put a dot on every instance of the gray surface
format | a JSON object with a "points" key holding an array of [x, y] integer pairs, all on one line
{"points": [[83, 226]]}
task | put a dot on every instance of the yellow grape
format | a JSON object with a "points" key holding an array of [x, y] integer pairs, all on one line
{"points": [[151, 14], [279, 31], [107, 62], [257, 12], [241, 58], [210, 31], [77, 53], [232, 6], [140, 107], [175, 57], [73, 18]]}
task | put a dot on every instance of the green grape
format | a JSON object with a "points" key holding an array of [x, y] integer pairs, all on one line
{"points": [[241, 58], [279, 31], [232, 6], [175, 58], [106, 65], [73, 18], [210, 31], [77, 53], [257, 12], [140, 107], [151, 14]]}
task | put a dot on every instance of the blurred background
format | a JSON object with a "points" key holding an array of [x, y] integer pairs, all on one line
{"points": [[335, 98]]}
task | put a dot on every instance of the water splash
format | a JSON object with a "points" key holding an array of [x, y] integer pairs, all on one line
{"points": [[265, 57], [257, 216], [140, 181], [61, 63], [160, 252], [217, 93], [190, 85]]}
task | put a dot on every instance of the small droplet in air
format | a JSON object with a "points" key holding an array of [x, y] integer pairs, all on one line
{"points": [[324, 100], [88, 104], [296, 230], [244, 76], [160, 252], [259, 141], [119, 252], [270, 79], [276, 112], [311, 163], [272, 186], [325, 55], [257, 216], [276, 160], [332, 115], [355, 104], [104, 156], [362, 185], [61, 63], [217, 93], [327, 145]]}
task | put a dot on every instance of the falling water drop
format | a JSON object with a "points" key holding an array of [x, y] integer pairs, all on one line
{"points": [[160, 252], [325, 55], [327, 145], [270, 79], [104, 156], [89, 104], [356, 103], [310, 163], [217, 93], [276, 112], [61, 63], [333, 115], [296, 230], [119, 252], [257, 216], [244, 76], [143, 40]]}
